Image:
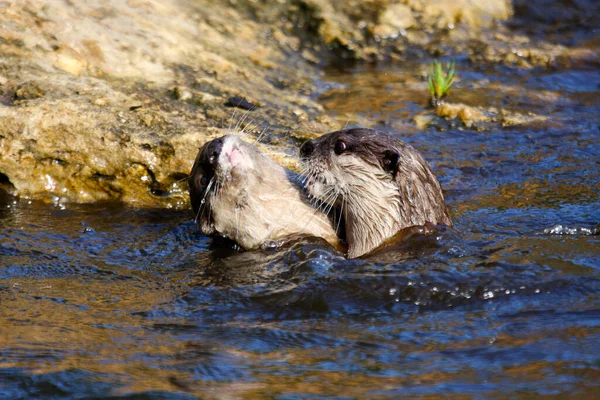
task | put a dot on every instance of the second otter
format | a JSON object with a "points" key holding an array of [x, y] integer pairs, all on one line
{"points": [[382, 184], [239, 193]]}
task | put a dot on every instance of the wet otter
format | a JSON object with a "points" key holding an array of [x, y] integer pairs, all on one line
{"points": [[382, 185], [239, 193]]}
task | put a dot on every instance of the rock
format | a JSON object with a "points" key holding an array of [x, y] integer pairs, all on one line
{"points": [[479, 117], [474, 13], [28, 91], [469, 116], [101, 101], [422, 121], [94, 116], [69, 60], [242, 103], [395, 20], [114, 104], [182, 93]]}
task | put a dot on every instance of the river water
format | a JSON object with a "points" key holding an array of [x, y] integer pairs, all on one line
{"points": [[108, 301]]}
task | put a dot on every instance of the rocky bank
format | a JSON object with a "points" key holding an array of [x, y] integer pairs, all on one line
{"points": [[110, 99]]}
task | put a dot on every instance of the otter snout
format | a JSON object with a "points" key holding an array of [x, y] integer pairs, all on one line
{"points": [[213, 150], [307, 149]]}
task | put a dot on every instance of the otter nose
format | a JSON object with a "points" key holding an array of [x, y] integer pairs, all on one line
{"points": [[307, 149], [213, 150]]}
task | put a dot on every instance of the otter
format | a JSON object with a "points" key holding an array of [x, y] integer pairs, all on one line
{"points": [[239, 193], [382, 184]]}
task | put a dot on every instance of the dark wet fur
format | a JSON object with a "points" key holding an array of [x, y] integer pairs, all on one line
{"points": [[201, 175], [417, 192]]}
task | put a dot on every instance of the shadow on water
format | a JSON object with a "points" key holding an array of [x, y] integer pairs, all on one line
{"points": [[105, 301]]}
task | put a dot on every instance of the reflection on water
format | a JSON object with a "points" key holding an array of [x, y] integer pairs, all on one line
{"points": [[107, 301]]}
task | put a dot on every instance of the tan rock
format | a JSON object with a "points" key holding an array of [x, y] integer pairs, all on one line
{"points": [[475, 13], [398, 16], [94, 116], [469, 116], [87, 110], [70, 61], [477, 117]]}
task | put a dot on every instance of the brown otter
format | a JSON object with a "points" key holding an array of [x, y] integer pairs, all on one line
{"points": [[239, 193], [382, 184]]}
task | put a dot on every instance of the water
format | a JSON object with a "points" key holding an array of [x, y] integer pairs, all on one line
{"points": [[109, 301]]}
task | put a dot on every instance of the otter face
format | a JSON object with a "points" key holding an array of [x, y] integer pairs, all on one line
{"points": [[382, 185], [220, 168], [339, 163]]}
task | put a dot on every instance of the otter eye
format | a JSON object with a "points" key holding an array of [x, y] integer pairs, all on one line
{"points": [[339, 147]]}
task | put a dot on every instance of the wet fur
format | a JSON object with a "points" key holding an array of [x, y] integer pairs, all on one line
{"points": [[382, 184], [255, 203]]}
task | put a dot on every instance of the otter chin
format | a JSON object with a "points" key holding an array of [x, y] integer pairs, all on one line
{"points": [[239, 193], [382, 185]]}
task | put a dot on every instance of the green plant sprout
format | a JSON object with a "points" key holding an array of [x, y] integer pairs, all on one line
{"points": [[440, 80]]}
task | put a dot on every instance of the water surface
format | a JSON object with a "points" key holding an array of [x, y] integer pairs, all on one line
{"points": [[107, 301]]}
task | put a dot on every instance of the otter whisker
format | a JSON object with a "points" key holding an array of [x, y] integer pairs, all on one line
{"points": [[317, 209], [326, 199], [203, 201], [236, 212], [231, 119], [236, 129], [261, 133], [241, 121], [182, 179], [305, 178], [248, 128], [329, 206], [340, 216], [348, 120], [331, 195]]}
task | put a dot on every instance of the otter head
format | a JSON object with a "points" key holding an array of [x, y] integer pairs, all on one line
{"points": [[224, 168], [382, 184]]}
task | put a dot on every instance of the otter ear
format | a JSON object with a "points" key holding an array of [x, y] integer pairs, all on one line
{"points": [[390, 160]]}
